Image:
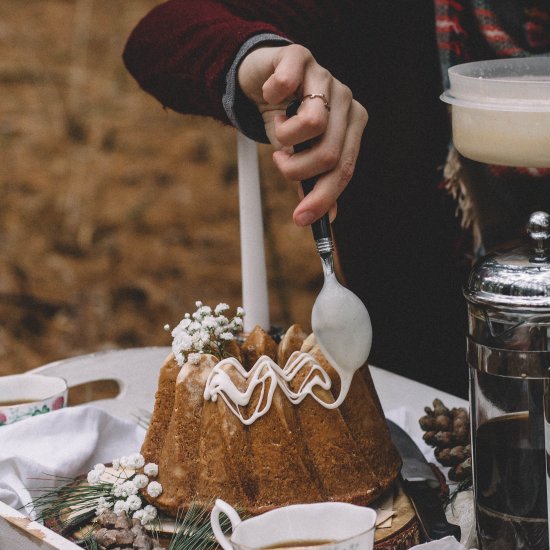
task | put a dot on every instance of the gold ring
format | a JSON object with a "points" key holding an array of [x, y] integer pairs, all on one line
{"points": [[320, 96]]}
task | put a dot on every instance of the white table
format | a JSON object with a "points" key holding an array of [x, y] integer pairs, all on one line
{"points": [[136, 372]]}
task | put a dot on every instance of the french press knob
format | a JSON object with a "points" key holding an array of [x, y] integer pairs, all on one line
{"points": [[538, 229]]}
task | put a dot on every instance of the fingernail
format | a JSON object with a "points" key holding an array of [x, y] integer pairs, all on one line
{"points": [[305, 218]]}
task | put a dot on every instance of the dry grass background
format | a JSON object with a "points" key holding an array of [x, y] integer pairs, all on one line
{"points": [[115, 215]]}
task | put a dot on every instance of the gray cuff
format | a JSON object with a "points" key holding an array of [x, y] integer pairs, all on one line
{"points": [[242, 113]]}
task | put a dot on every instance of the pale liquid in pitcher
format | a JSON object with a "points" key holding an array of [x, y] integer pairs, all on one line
{"points": [[510, 474], [508, 138]]}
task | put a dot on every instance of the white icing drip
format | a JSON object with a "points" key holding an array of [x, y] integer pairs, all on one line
{"points": [[267, 371]]}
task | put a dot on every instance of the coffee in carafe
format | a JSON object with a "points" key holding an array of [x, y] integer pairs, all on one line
{"points": [[508, 296]]}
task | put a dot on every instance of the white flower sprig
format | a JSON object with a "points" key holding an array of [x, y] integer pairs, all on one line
{"points": [[123, 493], [205, 331]]}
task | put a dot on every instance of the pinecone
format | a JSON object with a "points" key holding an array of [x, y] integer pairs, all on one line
{"points": [[118, 531], [448, 431]]}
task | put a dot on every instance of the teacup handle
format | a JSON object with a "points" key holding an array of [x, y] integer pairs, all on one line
{"points": [[230, 512]]}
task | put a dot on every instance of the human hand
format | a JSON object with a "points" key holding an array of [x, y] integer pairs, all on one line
{"points": [[273, 76]]}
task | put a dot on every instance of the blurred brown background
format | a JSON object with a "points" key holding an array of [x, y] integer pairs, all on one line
{"points": [[115, 215]]}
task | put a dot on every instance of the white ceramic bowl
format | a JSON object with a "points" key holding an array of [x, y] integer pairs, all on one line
{"points": [[501, 111], [24, 395]]}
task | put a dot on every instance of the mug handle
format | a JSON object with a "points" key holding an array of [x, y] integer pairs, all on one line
{"points": [[230, 512]]}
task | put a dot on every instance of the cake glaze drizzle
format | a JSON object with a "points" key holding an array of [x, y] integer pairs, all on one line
{"points": [[267, 374]]}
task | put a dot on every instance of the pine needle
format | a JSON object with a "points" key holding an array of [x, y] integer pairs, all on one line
{"points": [[89, 542], [463, 485], [193, 530], [79, 500]]}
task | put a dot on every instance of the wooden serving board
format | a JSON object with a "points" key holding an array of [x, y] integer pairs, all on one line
{"points": [[405, 531]]}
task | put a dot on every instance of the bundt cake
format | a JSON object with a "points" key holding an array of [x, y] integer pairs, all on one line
{"points": [[269, 448]]}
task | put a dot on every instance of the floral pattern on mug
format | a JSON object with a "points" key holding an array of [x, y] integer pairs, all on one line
{"points": [[15, 413], [59, 403]]}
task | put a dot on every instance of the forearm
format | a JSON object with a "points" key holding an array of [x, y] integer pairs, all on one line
{"points": [[182, 50]]}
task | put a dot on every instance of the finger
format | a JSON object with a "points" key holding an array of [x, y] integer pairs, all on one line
{"points": [[325, 153], [313, 116], [331, 184], [288, 74], [333, 210]]}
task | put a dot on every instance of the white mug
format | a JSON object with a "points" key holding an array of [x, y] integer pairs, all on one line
{"points": [[25, 395], [323, 525]]}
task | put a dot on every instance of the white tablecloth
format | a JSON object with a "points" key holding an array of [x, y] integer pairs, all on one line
{"points": [[37, 451]]}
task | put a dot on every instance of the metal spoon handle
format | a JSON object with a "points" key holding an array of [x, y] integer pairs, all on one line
{"points": [[321, 227]]}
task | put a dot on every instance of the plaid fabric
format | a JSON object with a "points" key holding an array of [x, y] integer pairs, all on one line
{"points": [[472, 30], [494, 200]]}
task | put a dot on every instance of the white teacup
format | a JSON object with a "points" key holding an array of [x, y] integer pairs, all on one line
{"points": [[323, 525], [24, 395]]}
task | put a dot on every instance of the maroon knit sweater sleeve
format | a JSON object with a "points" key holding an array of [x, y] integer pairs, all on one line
{"points": [[181, 51]]}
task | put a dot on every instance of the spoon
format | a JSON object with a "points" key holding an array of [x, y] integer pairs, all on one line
{"points": [[339, 319]]}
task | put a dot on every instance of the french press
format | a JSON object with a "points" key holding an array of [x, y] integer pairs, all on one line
{"points": [[508, 352]]}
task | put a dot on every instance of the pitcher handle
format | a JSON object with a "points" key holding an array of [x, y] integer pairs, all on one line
{"points": [[230, 512]]}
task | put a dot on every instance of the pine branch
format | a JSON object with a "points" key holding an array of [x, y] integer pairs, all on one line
{"points": [[193, 530]]}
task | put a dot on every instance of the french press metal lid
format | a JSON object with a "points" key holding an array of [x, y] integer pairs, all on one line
{"points": [[508, 294], [516, 278]]}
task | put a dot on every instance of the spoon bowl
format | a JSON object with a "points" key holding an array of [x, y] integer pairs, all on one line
{"points": [[342, 326]]}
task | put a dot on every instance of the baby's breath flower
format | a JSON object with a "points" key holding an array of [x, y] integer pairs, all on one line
{"points": [[149, 514], [195, 325], [154, 489], [194, 358], [120, 506], [209, 322], [151, 510], [138, 514], [204, 310], [102, 506], [93, 477], [222, 320], [204, 331], [136, 461], [129, 488], [121, 493], [151, 469], [140, 481], [133, 502]]}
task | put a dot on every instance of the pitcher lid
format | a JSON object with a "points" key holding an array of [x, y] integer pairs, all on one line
{"points": [[517, 277]]}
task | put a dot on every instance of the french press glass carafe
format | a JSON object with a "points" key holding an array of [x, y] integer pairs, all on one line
{"points": [[508, 296]]}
